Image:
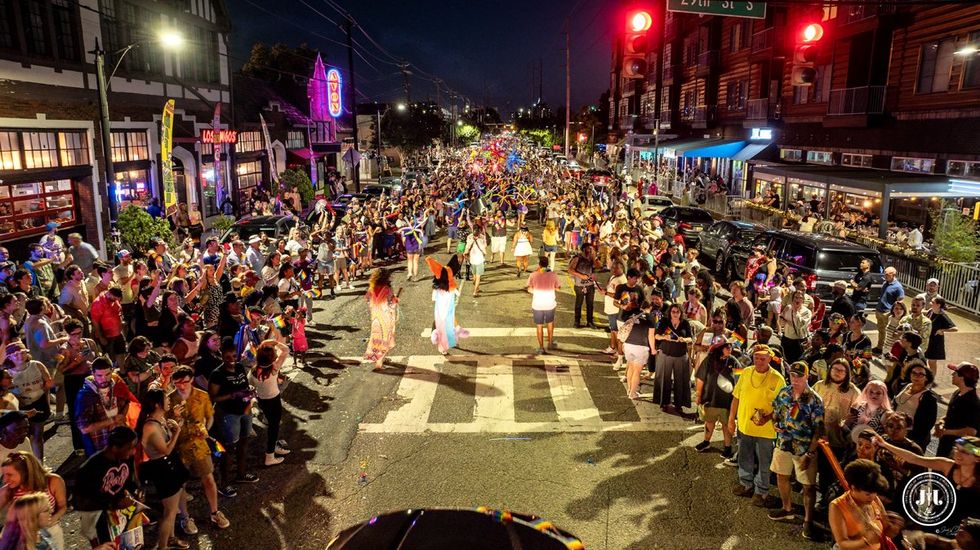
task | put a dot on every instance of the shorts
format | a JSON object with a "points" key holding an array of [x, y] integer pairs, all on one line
{"points": [[715, 414], [636, 354], [89, 523], [543, 316], [613, 322], [785, 463], [451, 232], [340, 263], [43, 408], [550, 247], [775, 307], [478, 269], [233, 426], [498, 245], [325, 268], [200, 468]]}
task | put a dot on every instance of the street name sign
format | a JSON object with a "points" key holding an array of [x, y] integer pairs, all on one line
{"points": [[731, 8]]}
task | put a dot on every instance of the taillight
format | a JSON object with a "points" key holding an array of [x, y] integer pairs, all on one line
{"points": [[811, 281], [684, 225]]}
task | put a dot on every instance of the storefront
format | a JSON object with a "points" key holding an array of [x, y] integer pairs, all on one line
{"points": [[132, 167]]}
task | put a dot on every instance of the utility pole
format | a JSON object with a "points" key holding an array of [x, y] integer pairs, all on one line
{"points": [[408, 85], [110, 171], [353, 105], [568, 87]]}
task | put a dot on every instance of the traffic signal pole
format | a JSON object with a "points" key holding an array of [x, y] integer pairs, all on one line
{"points": [[355, 168]]}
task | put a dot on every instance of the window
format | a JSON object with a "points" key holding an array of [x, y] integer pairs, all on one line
{"points": [[8, 28], [32, 150], [909, 164], [795, 155], [63, 15], [965, 168], [9, 151], [35, 29], [129, 146], [854, 159], [201, 65], [295, 139], [249, 141], [820, 157], [249, 177], [735, 95], [688, 105], [73, 148], [797, 254], [40, 149], [741, 35], [133, 186], [935, 64], [25, 208], [691, 51], [971, 67], [124, 23]]}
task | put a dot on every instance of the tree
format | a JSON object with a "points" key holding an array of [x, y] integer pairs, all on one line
{"points": [[956, 235], [137, 228], [416, 127], [297, 179], [467, 134], [286, 69]]}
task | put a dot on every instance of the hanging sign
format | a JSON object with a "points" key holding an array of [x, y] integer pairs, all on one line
{"points": [[334, 104], [166, 161], [219, 136]]}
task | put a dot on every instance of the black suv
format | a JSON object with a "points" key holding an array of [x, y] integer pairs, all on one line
{"points": [[688, 221], [715, 242], [818, 259]]}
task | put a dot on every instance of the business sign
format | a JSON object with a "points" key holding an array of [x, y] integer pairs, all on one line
{"points": [[731, 8], [166, 161], [334, 104], [218, 137], [761, 134]]}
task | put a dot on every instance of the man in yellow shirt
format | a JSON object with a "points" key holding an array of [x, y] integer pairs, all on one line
{"points": [[751, 413]]}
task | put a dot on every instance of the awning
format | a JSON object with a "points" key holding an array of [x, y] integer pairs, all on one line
{"points": [[304, 153], [750, 151], [679, 145], [720, 148]]}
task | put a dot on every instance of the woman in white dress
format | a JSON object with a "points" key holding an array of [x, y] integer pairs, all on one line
{"points": [[522, 249]]}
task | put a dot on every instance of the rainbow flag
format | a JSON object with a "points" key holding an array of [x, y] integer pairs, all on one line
{"points": [[738, 340], [279, 321], [250, 352], [313, 293]]}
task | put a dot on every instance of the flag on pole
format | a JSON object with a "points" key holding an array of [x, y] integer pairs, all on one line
{"points": [[166, 161], [273, 170]]}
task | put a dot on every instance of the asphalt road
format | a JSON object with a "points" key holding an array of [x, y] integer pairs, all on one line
{"points": [[488, 425]]}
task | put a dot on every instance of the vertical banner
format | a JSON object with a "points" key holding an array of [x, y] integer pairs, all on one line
{"points": [[219, 165], [273, 172], [166, 161]]}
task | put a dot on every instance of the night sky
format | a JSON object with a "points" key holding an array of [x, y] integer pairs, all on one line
{"points": [[465, 43]]}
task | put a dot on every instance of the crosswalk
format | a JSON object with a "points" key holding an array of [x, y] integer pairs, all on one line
{"points": [[512, 395]]}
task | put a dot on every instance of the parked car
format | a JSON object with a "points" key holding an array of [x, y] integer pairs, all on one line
{"points": [[273, 226], [655, 204], [598, 176], [818, 259], [688, 221], [715, 243]]}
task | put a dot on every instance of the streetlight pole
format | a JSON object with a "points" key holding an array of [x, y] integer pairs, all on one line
{"points": [[568, 87], [110, 170]]}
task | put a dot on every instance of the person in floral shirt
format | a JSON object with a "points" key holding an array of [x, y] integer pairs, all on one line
{"points": [[798, 418]]}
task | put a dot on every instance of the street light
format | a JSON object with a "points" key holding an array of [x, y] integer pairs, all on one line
{"points": [[170, 39], [401, 107]]}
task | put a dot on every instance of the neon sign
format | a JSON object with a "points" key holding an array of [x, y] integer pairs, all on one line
{"points": [[334, 104], [219, 137]]}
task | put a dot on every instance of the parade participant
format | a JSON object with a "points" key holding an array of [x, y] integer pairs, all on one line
{"points": [[549, 242], [444, 297], [857, 518], [413, 241], [543, 284], [476, 248], [31, 383], [581, 269], [158, 439], [266, 377], [714, 383], [611, 308], [498, 240], [672, 385], [383, 303], [522, 249]]}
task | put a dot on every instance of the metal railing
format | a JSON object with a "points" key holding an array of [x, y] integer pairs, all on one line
{"points": [[861, 100], [724, 206], [757, 109], [648, 121], [847, 14], [763, 39], [959, 283]]}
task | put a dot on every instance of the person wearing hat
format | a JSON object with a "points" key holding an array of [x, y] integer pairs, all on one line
{"points": [[83, 254], [798, 417], [254, 257], [842, 303], [752, 413], [963, 414], [714, 383], [932, 291]]}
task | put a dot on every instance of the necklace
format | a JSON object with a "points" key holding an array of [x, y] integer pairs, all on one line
{"points": [[764, 378]]}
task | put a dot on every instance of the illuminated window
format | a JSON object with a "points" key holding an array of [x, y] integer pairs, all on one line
{"points": [[296, 139], [854, 159], [909, 164], [9, 151], [820, 157], [129, 146], [25, 208], [40, 149], [791, 154], [73, 148], [249, 141]]}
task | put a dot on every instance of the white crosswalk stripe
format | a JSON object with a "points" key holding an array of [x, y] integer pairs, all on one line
{"points": [[494, 408]]}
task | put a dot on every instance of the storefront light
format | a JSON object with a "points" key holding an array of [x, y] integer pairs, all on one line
{"points": [[866, 203]]}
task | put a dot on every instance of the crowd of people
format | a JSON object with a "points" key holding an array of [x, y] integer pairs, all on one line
{"points": [[159, 361]]}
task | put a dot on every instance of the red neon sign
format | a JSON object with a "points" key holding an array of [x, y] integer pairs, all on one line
{"points": [[219, 137], [334, 104]]}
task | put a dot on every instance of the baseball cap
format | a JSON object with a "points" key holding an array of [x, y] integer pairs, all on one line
{"points": [[932, 280], [799, 368], [254, 239], [762, 348], [966, 370], [52, 226], [122, 253]]}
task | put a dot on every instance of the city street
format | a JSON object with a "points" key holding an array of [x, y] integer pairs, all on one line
{"points": [[488, 425]]}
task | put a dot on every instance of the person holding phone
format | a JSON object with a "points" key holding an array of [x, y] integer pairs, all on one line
{"points": [[672, 386], [232, 396]]}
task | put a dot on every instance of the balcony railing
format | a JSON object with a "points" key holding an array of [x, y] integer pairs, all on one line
{"points": [[763, 39], [707, 61], [757, 109], [649, 121], [626, 122], [847, 14], [862, 100]]}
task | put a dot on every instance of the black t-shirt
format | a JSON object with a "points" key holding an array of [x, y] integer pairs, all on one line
{"points": [[683, 330], [101, 483], [630, 299], [963, 412], [206, 364], [713, 395], [230, 382], [640, 335], [863, 290]]}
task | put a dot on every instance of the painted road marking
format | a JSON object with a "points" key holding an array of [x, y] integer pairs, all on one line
{"points": [[495, 410], [524, 332]]}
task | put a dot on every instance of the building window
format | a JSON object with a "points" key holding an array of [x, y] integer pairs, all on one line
{"points": [[10, 151], [909, 164], [8, 29], [820, 157], [125, 23], [201, 65], [735, 95], [63, 14], [818, 92], [964, 168], [249, 141], [971, 67], [73, 148], [854, 159], [296, 139], [794, 155], [741, 35], [25, 208], [129, 146], [34, 27], [40, 149], [31, 150], [249, 177], [935, 65], [133, 186]]}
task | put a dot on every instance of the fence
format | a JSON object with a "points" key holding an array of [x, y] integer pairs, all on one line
{"points": [[959, 283]]}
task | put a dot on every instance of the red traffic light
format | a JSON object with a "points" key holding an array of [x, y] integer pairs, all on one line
{"points": [[811, 32], [639, 21]]}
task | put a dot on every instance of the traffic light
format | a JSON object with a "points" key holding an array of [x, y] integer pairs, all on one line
{"points": [[805, 53], [636, 43]]}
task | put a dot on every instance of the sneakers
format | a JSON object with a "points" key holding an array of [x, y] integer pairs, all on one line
{"points": [[740, 490], [732, 461], [810, 533], [188, 526], [228, 492], [247, 478], [539, 351], [270, 460], [703, 446], [619, 364], [281, 449], [727, 452], [219, 520], [609, 350], [782, 515]]}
